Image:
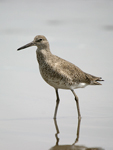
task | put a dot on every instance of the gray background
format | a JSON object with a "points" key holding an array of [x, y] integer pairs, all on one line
{"points": [[78, 31]]}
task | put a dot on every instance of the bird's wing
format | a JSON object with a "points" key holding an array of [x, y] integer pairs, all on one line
{"points": [[70, 71], [74, 73]]}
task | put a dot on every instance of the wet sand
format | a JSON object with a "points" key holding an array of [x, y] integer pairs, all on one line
{"points": [[78, 31]]}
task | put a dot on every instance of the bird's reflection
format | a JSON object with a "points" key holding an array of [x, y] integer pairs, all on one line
{"points": [[72, 146]]}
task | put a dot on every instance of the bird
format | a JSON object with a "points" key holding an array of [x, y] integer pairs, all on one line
{"points": [[60, 73]]}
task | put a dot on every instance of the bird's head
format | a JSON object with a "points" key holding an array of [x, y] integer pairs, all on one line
{"points": [[40, 41]]}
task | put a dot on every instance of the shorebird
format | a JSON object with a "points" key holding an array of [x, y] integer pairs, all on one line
{"points": [[58, 72]]}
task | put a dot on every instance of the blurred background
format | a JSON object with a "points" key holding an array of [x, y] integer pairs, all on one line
{"points": [[78, 31]]}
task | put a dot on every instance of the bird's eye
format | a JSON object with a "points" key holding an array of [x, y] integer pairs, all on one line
{"points": [[39, 40]]}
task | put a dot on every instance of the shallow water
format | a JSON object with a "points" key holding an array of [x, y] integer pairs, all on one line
{"points": [[78, 31]]}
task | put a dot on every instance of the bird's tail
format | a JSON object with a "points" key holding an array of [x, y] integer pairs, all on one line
{"points": [[93, 79], [96, 79]]}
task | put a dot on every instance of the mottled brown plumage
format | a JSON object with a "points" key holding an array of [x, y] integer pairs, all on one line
{"points": [[58, 72]]}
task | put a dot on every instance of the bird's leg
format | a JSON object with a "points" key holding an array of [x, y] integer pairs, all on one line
{"points": [[57, 132], [77, 103], [57, 103], [78, 131]]}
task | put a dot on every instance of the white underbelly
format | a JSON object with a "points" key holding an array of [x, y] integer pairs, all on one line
{"points": [[78, 85]]}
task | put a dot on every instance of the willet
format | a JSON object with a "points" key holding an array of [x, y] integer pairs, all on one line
{"points": [[58, 72]]}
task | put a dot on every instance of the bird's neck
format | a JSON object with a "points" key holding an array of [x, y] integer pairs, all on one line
{"points": [[43, 55]]}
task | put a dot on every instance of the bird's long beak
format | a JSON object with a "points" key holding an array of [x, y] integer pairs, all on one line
{"points": [[25, 46]]}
